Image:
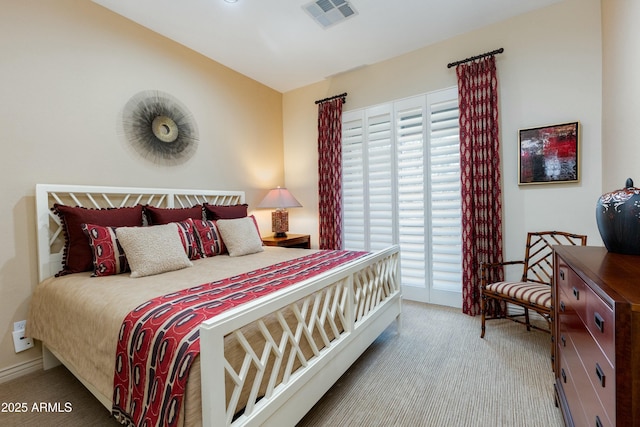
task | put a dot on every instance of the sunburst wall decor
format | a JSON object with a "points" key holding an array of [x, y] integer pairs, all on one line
{"points": [[160, 128]]}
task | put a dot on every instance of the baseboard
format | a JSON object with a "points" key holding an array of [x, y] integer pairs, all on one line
{"points": [[21, 369]]}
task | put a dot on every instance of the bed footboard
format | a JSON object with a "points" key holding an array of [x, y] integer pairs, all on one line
{"points": [[345, 310]]}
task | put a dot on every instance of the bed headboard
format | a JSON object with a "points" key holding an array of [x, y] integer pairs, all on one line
{"points": [[51, 236]]}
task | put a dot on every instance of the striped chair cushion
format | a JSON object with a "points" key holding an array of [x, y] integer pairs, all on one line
{"points": [[534, 293]]}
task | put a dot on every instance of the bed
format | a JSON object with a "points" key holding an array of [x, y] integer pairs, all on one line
{"points": [[264, 362]]}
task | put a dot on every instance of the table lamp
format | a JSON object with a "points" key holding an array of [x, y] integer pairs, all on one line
{"points": [[280, 199]]}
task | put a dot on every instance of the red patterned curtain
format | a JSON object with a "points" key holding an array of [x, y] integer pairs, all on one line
{"points": [[480, 175], [330, 172]]}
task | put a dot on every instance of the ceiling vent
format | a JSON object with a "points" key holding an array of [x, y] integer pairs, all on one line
{"points": [[330, 12]]}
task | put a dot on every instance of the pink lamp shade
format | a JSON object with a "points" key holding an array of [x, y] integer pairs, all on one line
{"points": [[280, 199]]}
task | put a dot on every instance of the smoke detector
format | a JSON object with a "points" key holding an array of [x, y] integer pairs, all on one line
{"points": [[330, 12]]}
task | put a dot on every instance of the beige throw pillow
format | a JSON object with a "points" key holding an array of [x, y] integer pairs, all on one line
{"points": [[240, 236], [153, 250]]}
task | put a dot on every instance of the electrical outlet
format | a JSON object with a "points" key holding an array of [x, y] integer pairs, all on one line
{"points": [[20, 342], [22, 324]]}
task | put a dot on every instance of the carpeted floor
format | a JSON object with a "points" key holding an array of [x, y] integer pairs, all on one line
{"points": [[436, 372]]}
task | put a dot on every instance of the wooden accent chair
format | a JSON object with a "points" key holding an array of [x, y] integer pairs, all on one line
{"points": [[533, 291]]}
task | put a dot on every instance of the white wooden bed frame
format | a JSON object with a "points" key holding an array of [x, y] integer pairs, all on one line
{"points": [[364, 296]]}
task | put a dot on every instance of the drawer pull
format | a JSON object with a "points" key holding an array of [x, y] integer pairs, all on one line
{"points": [[600, 374], [598, 422], [564, 341], [562, 308], [576, 293], [599, 321], [562, 274], [564, 376]]}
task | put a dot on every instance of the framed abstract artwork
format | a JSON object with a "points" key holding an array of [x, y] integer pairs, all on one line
{"points": [[549, 154]]}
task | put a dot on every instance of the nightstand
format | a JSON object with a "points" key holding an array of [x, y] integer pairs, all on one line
{"points": [[290, 241]]}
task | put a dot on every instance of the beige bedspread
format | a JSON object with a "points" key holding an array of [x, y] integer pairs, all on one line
{"points": [[78, 316]]}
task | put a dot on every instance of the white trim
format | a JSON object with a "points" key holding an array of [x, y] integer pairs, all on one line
{"points": [[20, 370]]}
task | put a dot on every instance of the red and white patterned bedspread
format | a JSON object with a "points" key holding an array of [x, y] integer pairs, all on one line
{"points": [[159, 339]]}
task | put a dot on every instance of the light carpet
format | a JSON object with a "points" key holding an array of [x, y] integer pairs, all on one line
{"points": [[434, 371]]}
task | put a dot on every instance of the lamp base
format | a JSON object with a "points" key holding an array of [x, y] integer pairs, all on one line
{"points": [[280, 223]]}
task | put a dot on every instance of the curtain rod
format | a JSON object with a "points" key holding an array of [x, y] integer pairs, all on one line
{"points": [[342, 95], [473, 58]]}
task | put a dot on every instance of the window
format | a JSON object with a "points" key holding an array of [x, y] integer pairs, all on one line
{"points": [[401, 185]]}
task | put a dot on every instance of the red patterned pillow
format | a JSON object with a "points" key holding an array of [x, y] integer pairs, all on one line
{"points": [[215, 212], [108, 256], [77, 256], [189, 238], [156, 216], [210, 241]]}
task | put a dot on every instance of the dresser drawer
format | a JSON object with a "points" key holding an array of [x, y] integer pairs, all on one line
{"points": [[575, 371], [565, 379], [574, 289], [571, 326], [568, 318], [599, 371], [600, 322]]}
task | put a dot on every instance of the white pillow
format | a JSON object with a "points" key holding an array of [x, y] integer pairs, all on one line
{"points": [[153, 250], [240, 236]]}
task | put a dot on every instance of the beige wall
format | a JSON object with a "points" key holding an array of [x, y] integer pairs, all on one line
{"points": [[67, 68], [550, 72], [621, 93]]}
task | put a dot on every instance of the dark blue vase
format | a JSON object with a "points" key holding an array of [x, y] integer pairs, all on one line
{"points": [[618, 218]]}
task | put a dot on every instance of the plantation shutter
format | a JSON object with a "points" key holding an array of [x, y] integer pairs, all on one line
{"points": [[412, 237], [380, 178], [367, 179], [401, 183], [444, 179], [353, 185]]}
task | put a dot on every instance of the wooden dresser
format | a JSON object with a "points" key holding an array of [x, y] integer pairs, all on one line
{"points": [[597, 336]]}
